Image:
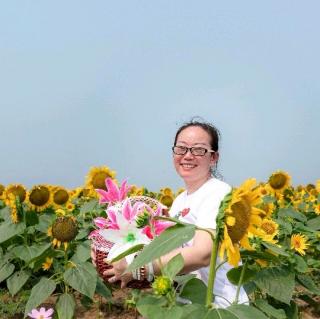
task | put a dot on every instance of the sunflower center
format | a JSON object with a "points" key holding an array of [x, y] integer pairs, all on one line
{"points": [[64, 229], [60, 197], [39, 196], [18, 191], [241, 212], [268, 228], [277, 181], [98, 180]]}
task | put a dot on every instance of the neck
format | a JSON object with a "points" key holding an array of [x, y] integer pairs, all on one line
{"points": [[192, 186]]}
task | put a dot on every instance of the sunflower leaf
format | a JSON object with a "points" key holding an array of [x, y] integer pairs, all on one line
{"points": [[17, 280], [290, 212], [9, 230], [170, 239], [66, 306], [82, 278], [39, 293], [314, 223], [276, 282], [28, 253]]}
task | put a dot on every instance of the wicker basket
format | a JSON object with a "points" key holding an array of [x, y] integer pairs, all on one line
{"points": [[101, 246]]}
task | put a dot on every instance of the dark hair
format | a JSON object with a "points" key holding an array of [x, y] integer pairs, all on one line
{"points": [[212, 131], [208, 127]]}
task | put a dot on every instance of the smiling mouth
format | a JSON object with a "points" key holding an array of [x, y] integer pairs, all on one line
{"points": [[187, 165]]}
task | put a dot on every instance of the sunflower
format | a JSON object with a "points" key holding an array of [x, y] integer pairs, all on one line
{"points": [[162, 285], [166, 200], [270, 229], [241, 218], [97, 176], [60, 196], [268, 208], [63, 230], [318, 185], [17, 190], [167, 191], [299, 243], [278, 181], [2, 188], [47, 264], [317, 208], [40, 197]]}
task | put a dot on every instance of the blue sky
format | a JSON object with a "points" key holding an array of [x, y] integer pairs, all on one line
{"points": [[108, 83]]}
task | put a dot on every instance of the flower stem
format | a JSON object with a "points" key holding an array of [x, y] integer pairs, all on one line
{"points": [[212, 272], [243, 271]]}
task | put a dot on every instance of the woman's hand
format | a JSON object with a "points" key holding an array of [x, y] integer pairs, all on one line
{"points": [[116, 273]]}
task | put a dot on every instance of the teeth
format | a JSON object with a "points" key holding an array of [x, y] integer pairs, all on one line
{"points": [[188, 165]]}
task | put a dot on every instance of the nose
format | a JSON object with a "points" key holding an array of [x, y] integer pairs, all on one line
{"points": [[188, 154]]}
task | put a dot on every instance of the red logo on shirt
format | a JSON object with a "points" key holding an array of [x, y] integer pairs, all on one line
{"points": [[185, 211]]}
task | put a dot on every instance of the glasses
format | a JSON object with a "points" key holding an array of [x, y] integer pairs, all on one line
{"points": [[196, 151]]}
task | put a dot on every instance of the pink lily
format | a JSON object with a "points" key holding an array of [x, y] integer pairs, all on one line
{"points": [[156, 228], [113, 193]]}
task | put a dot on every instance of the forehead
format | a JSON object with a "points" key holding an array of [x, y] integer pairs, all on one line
{"points": [[194, 135]]}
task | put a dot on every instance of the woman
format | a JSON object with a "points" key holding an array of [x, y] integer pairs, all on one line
{"points": [[195, 156]]}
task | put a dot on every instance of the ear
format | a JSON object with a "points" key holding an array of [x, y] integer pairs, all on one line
{"points": [[214, 158]]}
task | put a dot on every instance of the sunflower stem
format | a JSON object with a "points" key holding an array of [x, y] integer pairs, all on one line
{"points": [[212, 272], [243, 270]]}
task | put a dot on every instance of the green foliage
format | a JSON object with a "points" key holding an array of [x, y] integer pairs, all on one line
{"points": [[39, 293], [170, 239], [65, 306]]}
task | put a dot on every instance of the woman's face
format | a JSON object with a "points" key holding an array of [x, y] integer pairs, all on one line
{"points": [[194, 169]]}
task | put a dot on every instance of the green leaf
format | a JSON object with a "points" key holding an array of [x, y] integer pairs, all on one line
{"points": [[82, 252], [39, 293], [65, 306], [314, 223], [301, 265], [32, 218], [195, 290], [234, 275], [183, 279], [6, 270], [17, 280], [5, 214], [45, 221], [127, 252], [263, 305], [172, 268], [102, 289], [285, 227], [276, 282], [194, 311], [152, 307], [82, 278], [290, 212], [27, 253], [170, 239], [88, 206], [9, 230], [275, 249], [83, 233], [245, 312], [308, 282]]}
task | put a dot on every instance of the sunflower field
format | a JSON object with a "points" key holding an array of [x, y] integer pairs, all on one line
{"points": [[268, 231]]}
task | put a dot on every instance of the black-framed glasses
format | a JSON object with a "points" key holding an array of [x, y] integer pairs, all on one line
{"points": [[196, 150]]}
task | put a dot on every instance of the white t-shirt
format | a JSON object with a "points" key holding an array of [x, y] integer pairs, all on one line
{"points": [[201, 208]]}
